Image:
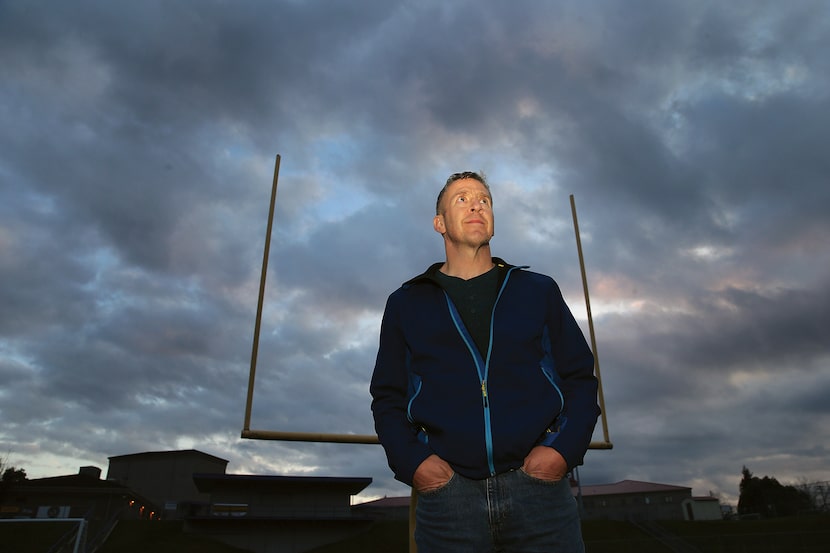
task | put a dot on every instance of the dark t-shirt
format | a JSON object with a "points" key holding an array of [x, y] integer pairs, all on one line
{"points": [[474, 300]]}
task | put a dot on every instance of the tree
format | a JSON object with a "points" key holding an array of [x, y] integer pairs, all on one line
{"points": [[12, 475], [769, 498], [819, 493]]}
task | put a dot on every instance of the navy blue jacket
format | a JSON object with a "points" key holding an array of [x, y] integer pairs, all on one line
{"points": [[433, 392]]}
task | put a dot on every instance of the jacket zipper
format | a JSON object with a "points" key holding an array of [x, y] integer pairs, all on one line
{"points": [[483, 370]]}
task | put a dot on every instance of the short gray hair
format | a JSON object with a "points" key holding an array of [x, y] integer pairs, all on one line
{"points": [[460, 176]]}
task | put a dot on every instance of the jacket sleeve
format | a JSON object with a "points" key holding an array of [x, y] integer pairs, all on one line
{"points": [[574, 365], [390, 394]]}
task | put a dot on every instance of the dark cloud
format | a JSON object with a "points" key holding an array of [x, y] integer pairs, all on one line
{"points": [[134, 186]]}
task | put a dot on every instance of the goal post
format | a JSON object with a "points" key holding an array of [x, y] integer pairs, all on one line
{"points": [[279, 435], [249, 433]]}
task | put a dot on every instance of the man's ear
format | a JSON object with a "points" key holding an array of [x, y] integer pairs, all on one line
{"points": [[438, 224]]}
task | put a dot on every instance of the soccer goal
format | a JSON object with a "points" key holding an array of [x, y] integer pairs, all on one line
{"points": [[75, 535]]}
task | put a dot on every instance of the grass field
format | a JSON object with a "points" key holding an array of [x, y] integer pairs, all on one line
{"points": [[129, 537], [795, 535], [602, 537], [33, 536], [790, 535]]}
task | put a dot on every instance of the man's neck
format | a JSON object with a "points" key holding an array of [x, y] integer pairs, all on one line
{"points": [[467, 264]]}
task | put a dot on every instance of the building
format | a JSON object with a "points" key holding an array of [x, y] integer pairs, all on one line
{"points": [[72, 498], [165, 478], [278, 514], [265, 514], [82, 495], [632, 500], [702, 508]]}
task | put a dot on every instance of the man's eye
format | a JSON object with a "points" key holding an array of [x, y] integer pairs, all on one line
{"points": [[461, 199]]}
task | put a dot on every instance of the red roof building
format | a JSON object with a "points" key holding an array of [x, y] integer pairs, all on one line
{"points": [[632, 500]]}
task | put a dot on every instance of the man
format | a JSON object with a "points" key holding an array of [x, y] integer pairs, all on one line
{"points": [[483, 392]]}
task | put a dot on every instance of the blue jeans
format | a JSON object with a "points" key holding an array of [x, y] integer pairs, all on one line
{"points": [[507, 513]]}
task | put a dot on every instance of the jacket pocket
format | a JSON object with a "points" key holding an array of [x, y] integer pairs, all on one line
{"points": [[549, 371], [416, 384]]}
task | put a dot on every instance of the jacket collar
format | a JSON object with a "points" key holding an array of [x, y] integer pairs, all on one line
{"points": [[429, 274]]}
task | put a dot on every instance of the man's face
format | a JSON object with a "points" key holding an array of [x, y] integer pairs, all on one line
{"points": [[466, 216]]}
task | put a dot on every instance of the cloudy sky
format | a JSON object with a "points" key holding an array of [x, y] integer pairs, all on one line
{"points": [[136, 160]]}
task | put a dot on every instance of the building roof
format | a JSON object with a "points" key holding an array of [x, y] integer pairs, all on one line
{"points": [[629, 487], [76, 485], [175, 453], [206, 482], [70, 481]]}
